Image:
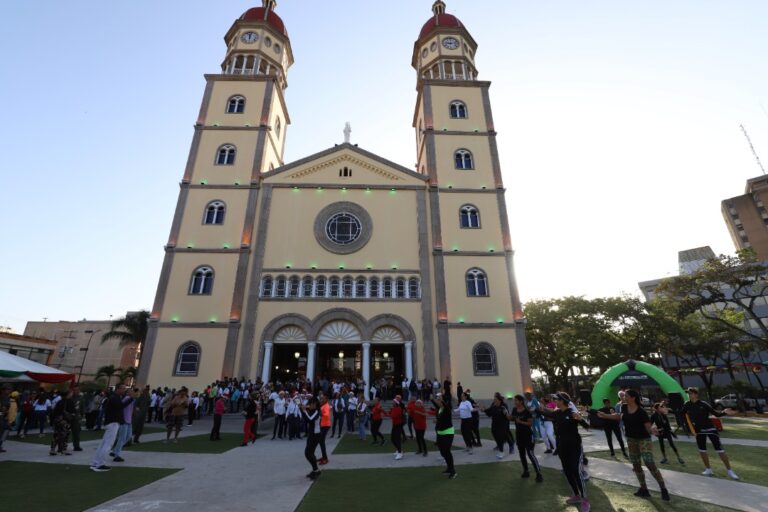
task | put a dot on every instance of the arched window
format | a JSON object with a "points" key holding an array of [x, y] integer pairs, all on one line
{"points": [[236, 105], [306, 287], [458, 110], [413, 288], [280, 286], [187, 359], [400, 288], [267, 284], [294, 284], [484, 359], [214, 213], [226, 155], [477, 283], [278, 127], [360, 287], [335, 286], [469, 217], [320, 287], [463, 159], [387, 287], [374, 293], [348, 287], [202, 281]]}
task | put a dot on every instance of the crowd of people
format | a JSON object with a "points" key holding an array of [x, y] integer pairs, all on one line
{"points": [[302, 410]]}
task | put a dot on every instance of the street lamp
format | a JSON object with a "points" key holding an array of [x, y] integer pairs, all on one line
{"points": [[85, 350]]}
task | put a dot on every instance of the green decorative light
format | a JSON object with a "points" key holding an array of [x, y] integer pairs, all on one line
{"points": [[499, 320], [190, 246], [175, 319], [483, 187], [394, 267], [455, 249], [227, 246], [461, 319], [491, 249], [237, 183], [393, 191], [369, 266], [367, 190], [204, 182], [343, 189], [319, 189], [314, 266], [287, 265], [341, 267], [450, 186], [212, 320], [295, 189]]}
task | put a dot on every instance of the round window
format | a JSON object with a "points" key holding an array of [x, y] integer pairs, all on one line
{"points": [[343, 228], [268, 42]]}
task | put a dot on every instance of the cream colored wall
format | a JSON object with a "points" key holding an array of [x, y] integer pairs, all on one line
{"points": [[442, 96], [488, 237], [194, 232], [291, 239], [212, 343], [252, 91], [205, 168], [509, 381], [477, 309], [480, 176], [183, 307]]}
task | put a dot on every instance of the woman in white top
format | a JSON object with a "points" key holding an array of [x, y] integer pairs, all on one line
{"points": [[465, 412], [42, 406], [362, 416]]}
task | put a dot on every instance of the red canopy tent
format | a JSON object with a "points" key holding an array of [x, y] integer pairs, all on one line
{"points": [[19, 369]]}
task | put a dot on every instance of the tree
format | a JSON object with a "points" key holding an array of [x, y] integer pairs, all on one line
{"points": [[127, 374], [108, 372], [129, 330]]}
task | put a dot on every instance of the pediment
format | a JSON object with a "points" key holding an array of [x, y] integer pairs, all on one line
{"points": [[329, 167]]}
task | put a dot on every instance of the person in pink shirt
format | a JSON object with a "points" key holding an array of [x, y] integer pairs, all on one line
{"points": [[218, 411]]}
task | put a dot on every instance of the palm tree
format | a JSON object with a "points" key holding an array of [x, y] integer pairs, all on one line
{"points": [[127, 374], [108, 372], [130, 329]]}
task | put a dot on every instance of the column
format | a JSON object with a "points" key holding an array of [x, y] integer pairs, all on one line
{"points": [[311, 348], [409, 359], [367, 369], [267, 363]]}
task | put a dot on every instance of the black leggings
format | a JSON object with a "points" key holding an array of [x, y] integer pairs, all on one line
{"points": [[444, 445], [466, 432], [313, 440], [525, 447], [397, 437], [614, 429], [668, 437], [375, 430], [571, 456], [323, 434], [420, 441]]}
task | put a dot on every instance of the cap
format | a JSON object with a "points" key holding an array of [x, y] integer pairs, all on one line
{"points": [[15, 394]]}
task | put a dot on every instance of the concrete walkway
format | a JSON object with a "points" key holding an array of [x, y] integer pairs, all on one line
{"points": [[269, 475]]}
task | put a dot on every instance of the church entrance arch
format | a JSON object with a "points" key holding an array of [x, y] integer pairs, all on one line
{"points": [[604, 387]]}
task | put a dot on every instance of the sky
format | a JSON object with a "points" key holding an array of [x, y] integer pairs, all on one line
{"points": [[618, 130]]}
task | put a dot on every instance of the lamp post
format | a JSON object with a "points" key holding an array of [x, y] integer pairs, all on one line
{"points": [[85, 350]]}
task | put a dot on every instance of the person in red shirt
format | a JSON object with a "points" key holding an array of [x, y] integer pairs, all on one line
{"points": [[419, 415], [377, 416], [218, 411], [396, 414], [325, 426], [409, 407]]}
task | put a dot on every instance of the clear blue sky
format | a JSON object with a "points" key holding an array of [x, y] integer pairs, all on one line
{"points": [[618, 127]]}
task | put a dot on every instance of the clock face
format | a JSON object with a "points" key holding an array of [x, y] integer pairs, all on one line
{"points": [[450, 43], [249, 37]]}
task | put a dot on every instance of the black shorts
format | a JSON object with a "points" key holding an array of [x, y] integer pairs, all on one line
{"points": [[714, 437]]}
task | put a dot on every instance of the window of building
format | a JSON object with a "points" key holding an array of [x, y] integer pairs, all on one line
{"points": [[343, 228], [374, 287], [280, 286], [320, 287], [202, 281], [236, 105], [345, 172], [387, 287], [413, 288], [278, 127], [226, 155], [360, 287], [214, 213], [400, 288], [463, 159], [335, 287], [477, 283], [469, 217], [267, 285], [458, 110], [484, 359], [294, 286], [348, 287], [188, 359], [306, 287]]}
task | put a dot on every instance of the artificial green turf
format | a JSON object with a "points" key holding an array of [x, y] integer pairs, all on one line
{"points": [[191, 444], [489, 487], [351, 444], [37, 487], [749, 462], [85, 435]]}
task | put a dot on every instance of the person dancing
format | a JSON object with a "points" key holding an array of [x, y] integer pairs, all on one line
{"points": [[465, 411], [613, 428], [376, 419], [499, 415], [696, 413], [523, 419], [661, 421], [312, 417], [420, 425], [445, 432], [638, 427], [396, 414]]}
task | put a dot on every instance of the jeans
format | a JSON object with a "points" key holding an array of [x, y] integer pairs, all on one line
{"points": [[41, 416], [547, 430], [351, 421], [110, 433], [279, 428], [215, 432], [338, 419], [362, 424], [123, 435]]}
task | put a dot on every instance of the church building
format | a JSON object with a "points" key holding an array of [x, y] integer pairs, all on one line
{"points": [[343, 263]]}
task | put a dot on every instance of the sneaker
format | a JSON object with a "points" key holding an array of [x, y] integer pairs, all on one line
{"points": [[525, 475], [539, 478], [500, 455], [78, 449], [398, 456], [118, 459], [100, 469], [547, 451], [555, 452], [584, 506], [323, 461], [111, 454], [452, 476], [585, 475], [573, 500], [425, 454], [708, 472], [314, 475], [681, 461], [733, 475], [53, 454], [664, 461], [642, 493], [470, 451], [664, 494]]}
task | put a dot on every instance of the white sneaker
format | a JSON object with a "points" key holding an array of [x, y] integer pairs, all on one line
{"points": [[398, 456], [500, 455], [733, 475], [708, 472]]}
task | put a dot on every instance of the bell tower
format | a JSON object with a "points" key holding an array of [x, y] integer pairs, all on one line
{"points": [[457, 150]]}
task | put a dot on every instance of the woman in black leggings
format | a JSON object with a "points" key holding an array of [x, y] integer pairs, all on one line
{"points": [[660, 419], [312, 417], [499, 423], [569, 448], [445, 433]]}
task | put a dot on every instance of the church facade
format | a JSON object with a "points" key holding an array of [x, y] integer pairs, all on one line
{"points": [[341, 264]]}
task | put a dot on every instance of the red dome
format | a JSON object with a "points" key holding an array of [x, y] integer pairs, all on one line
{"points": [[257, 14], [441, 20]]}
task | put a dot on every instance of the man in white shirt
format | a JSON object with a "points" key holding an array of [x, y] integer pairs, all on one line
{"points": [[279, 408], [351, 412]]}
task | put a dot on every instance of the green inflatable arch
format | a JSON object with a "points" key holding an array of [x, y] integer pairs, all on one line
{"points": [[602, 389]]}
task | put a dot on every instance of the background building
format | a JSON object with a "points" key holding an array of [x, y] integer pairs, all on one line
{"points": [[747, 218], [38, 350], [78, 348], [343, 263]]}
